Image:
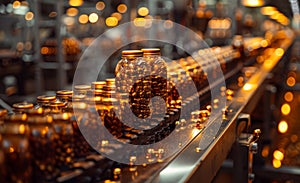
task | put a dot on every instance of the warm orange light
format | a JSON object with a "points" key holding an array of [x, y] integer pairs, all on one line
{"points": [[268, 10], [276, 163], [285, 109], [248, 87], [143, 11], [278, 155], [16, 4], [75, 2], [11, 149], [111, 21], [279, 52], [264, 43], [195, 132], [168, 24], [72, 12], [44, 50], [93, 17], [83, 19], [283, 127], [21, 129], [100, 5], [29, 16], [288, 96], [139, 22], [253, 3], [122, 8], [265, 151], [291, 81], [117, 15]]}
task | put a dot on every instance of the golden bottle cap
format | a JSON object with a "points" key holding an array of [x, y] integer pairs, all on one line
{"points": [[110, 81], [98, 84], [82, 87], [151, 51], [64, 93], [46, 98], [57, 104], [22, 105], [132, 53]]}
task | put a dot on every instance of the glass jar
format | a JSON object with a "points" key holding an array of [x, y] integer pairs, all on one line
{"points": [[64, 140], [81, 89], [43, 102], [57, 107], [16, 149], [64, 95], [81, 146], [133, 77], [158, 76], [42, 141], [3, 113], [22, 107]]}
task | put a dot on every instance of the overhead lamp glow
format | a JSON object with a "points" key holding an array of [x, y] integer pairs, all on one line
{"points": [[111, 21], [278, 155], [253, 3], [117, 15], [29, 16], [75, 2], [72, 12], [100, 5], [285, 109], [93, 18], [143, 11], [283, 127], [268, 10], [16, 4], [83, 19], [122, 8]]}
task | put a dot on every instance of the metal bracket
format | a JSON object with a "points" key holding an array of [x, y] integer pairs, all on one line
{"points": [[244, 149]]}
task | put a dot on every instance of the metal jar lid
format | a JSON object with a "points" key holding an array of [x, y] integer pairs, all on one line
{"points": [[132, 54], [151, 51]]}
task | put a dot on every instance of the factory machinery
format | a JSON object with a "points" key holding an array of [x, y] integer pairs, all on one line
{"points": [[53, 140]]}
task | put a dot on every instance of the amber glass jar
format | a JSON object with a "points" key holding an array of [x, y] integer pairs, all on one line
{"points": [[15, 147], [64, 95], [43, 102], [64, 140], [42, 141], [81, 146]]}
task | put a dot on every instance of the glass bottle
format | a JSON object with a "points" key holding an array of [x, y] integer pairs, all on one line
{"points": [[132, 77], [16, 149], [42, 141]]}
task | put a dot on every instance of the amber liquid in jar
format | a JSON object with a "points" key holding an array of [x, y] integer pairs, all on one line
{"points": [[15, 150]]}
